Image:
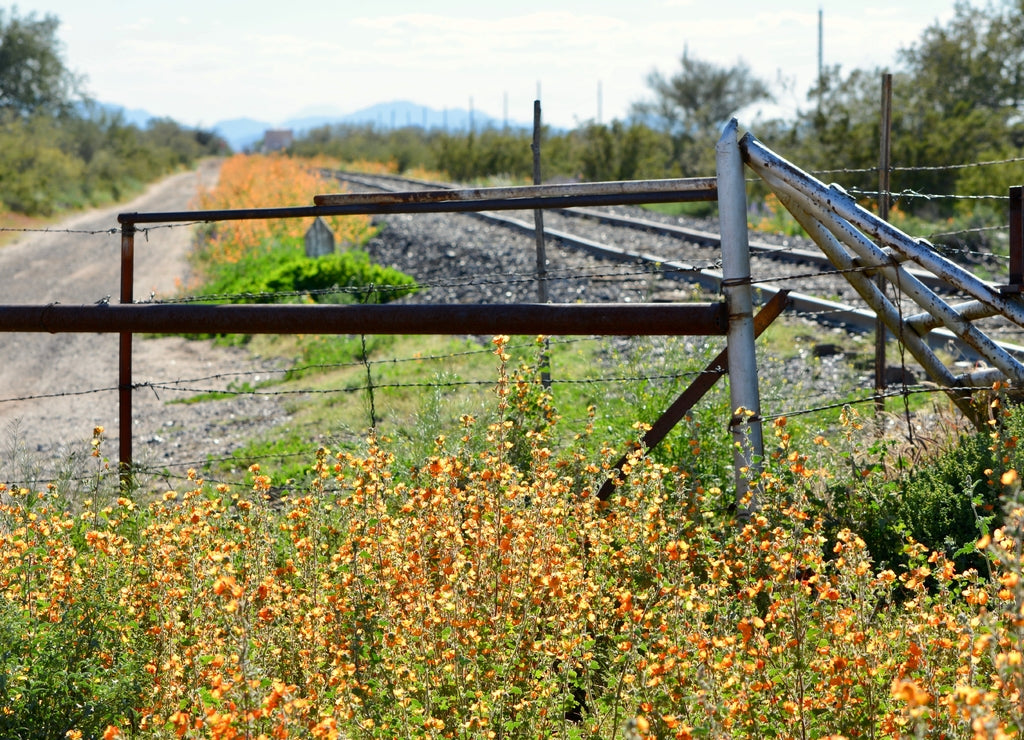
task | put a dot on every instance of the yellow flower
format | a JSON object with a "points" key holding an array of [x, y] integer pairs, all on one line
{"points": [[911, 693]]}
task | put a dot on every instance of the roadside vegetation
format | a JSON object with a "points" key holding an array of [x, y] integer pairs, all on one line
{"points": [[485, 589], [265, 260]]}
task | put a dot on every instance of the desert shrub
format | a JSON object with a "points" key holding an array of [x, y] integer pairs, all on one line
{"points": [[64, 662], [264, 260], [944, 500], [285, 269], [255, 181]]}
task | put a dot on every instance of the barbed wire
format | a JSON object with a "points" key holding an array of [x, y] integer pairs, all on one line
{"points": [[918, 168], [109, 231], [434, 384], [897, 393], [975, 230], [910, 194], [301, 369], [965, 165], [59, 394], [298, 370], [811, 275], [952, 250], [47, 230], [164, 472]]}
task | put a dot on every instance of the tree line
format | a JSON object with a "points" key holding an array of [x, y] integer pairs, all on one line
{"points": [[59, 149], [957, 100]]}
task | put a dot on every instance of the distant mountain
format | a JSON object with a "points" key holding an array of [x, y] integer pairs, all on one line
{"points": [[402, 114], [243, 133], [131, 117], [137, 116]]}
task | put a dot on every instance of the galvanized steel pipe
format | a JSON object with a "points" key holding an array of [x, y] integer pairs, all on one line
{"points": [[877, 300], [736, 287], [874, 257], [840, 203]]}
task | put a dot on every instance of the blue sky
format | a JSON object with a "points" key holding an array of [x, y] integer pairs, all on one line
{"points": [[202, 62]]}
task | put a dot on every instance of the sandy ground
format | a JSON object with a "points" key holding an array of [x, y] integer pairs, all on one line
{"points": [[68, 265]]}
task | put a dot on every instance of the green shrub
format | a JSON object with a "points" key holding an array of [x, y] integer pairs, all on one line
{"points": [[945, 500], [339, 277]]}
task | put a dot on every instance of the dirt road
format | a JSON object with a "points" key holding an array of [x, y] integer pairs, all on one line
{"points": [[65, 264]]}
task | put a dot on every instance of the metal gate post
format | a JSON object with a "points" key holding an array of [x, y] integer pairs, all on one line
{"points": [[124, 381], [748, 442]]}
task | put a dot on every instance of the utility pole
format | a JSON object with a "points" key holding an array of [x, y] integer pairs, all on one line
{"points": [[821, 57]]}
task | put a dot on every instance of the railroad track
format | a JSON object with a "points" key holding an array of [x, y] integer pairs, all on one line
{"points": [[676, 248]]}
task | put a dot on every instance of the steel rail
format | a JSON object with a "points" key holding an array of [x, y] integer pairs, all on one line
{"points": [[696, 236]]}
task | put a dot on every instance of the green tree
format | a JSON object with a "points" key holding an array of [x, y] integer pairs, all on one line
{"points": [[963, 103], [957, 94], [701, 95], [33, 76], [622, 151], [694, 102], [976, 60]]}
